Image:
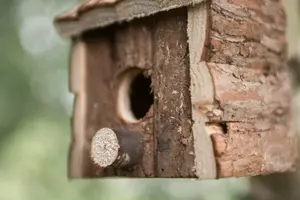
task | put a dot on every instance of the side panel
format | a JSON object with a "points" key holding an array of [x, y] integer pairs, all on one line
{"points": [[172, 107]]}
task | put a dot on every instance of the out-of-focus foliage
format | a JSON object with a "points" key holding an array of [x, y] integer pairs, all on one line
{"points": [[35, 108]]}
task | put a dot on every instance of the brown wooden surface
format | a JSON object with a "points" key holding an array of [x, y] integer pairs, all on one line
{"points": [[105, 66], [117, 148], [201, 89], [132, 48], [143, 44], [93, 14], [245, 107], [172, 106], [252, 89], [77, 85]]}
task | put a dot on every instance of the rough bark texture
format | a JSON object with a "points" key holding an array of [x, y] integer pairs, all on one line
{"points": [[172, 107], [93, 14], [226, 92], [252, 89], [159, 46], [284, 186]]}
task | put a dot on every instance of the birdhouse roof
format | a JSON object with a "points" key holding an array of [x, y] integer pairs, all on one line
{"points": [[93, 14]]}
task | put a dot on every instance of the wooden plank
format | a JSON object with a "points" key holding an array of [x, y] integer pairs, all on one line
{"points": [[109, 55], [202, 90], [96, 14], [99, 99], [133, 50], [172, 105], [77, 85], [244, 108]]}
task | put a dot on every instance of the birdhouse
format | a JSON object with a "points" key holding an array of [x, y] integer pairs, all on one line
{"points": [[179, 89]]}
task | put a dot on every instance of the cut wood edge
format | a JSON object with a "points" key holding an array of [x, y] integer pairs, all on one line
{"points": [[77, 85], [70, 25], [105, 147], [76, 65], [202, 91], [116, 148]]}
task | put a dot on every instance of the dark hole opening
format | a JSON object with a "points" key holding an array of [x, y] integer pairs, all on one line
{"points": [[224, 127], [141, 96]]}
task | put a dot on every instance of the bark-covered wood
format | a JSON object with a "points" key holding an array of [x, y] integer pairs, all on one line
{"points": [[221, 90], [284, 185], [93, 14], [252, 89], [144, 44], [172, 106], [201, 89]]}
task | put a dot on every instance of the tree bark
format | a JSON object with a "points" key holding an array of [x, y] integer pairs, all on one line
{"points": [[285, 186], [247, 61]]}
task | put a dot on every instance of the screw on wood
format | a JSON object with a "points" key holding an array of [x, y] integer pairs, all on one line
{"points": [[116, 148]]}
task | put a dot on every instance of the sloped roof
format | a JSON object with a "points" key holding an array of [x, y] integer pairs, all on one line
{"points": [[93, 14]]}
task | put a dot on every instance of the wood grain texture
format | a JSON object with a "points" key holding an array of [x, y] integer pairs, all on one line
{"points": [[107, 61], [172, 105], [202, 90], [245, 94], [255, 149], [96, 14], [100, 107], [219, 80], [133, 48], [148, 45], [252, 91], [77, 85]]}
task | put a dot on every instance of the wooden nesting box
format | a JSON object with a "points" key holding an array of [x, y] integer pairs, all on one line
{"points": [[179, 89]]}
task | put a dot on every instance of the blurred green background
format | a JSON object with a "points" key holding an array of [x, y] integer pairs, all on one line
{"points": [[35, 110]]}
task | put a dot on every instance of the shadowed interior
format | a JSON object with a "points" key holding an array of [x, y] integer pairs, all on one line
{"points": [[135, 95], [141, 96]]}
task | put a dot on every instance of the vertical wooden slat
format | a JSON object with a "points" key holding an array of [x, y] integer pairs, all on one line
{"points": [[133, 50], [172, 107], [77, 85], [202, 89], [110, 54]]}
